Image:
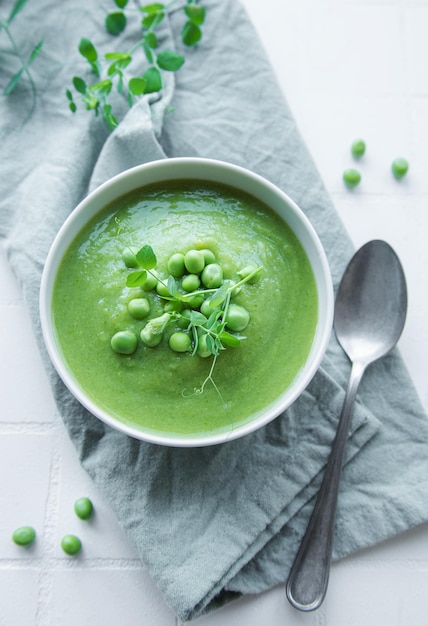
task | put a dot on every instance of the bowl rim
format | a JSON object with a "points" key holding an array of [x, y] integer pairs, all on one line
{"points": [[162, 169]]}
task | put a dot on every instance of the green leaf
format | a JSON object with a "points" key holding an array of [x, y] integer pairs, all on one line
{"points": [[172, 288], [153, 79], [148, 53], [154, 7], [191, 34], [211, 345], [69, 95], [122, 59], [17, 7], [136, 279], [213, 319], [151, 40], [197, 318], [153, 19], [146, 258], [170, 61], [13, 82], [229, 340], [219, 296], [103, 87], [87, 50], [115, 22], [121, 3], [137, 86], [113, 69], [195, 13], [79, 84], [35, 53], [109, 117], [73, 107], [91, 101]]}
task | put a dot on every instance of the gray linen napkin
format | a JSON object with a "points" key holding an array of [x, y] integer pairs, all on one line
{"points": [[214, 523]]}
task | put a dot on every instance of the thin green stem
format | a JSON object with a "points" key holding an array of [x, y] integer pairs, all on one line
{"points": [[210, 378], [24, 66], [18, 53]]}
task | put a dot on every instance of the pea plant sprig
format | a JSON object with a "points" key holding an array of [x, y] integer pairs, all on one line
{"points": [[108, 69], [25, 60], [209, 330]]}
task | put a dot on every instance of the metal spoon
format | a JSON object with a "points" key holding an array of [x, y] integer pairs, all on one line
{"points": [[370, 312]]}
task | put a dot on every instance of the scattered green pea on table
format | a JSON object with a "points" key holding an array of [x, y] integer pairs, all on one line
{"points": [[71, 545], [83, 508], [351, 178], [399, 167], [358, 148], [24, 536]]}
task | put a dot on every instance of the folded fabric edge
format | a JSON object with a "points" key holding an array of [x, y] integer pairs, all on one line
{"points": [[234, 583]]}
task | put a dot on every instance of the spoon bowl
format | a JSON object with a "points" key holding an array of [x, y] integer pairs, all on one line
{"points": [[370, 312], [371, 303]]}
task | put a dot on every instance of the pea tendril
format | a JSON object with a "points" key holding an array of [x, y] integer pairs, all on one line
{"points": [[109, 69], [209, 328], [24, 60]]}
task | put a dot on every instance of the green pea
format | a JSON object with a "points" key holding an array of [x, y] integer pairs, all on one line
{"points": [[194, 261], [151, 281], [184, 319], [24, 536], [237, 317], [172, 306], [209, 256], [212, 276], [176, 265], [194, 302], [83, 508], [191, 282], [129, 257], [358, 148], [351, 178], [162, 289], [399, 167], [202, 350], [124, 342], [206, 308], [139, 308], [71, 544], [180, 342]]}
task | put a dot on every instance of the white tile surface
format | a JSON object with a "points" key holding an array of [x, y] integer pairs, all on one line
{"points": [[348, 68]]}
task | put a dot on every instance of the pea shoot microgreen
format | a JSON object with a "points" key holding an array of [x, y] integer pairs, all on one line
{"points": [[109, 69], [25, 59], [209, 330]]}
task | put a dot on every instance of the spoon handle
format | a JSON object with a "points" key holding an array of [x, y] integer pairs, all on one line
{"points": [[308, 579]]}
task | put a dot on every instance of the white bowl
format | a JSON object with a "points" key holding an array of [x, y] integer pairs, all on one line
{"points": [[211, 171]]}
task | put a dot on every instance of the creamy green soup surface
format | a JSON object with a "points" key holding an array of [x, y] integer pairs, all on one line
{"points": [[154, 388]]}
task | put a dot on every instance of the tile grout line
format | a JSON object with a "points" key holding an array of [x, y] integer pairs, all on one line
{"points": [[44, 599]]}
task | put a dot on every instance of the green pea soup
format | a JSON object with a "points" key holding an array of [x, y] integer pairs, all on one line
{"points": [[156, 389]]}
